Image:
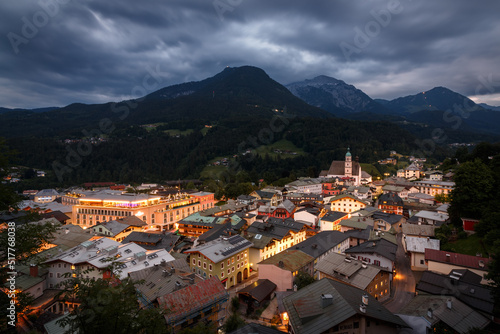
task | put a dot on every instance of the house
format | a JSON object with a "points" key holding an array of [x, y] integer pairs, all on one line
{"points": [[226, 258], [372, 279], [431, 218], [324, 243], [330, 186], [390, 203], [275, 197], [94, 258], [348, 170], [416, 247], [357, 237], [46, 196], [152, 241], [366, 178], [443, 262], [477, 296], [435, 187], [399, 190], [330, 221], [205, 301], [346, 203], [434, 175], [361, 192], [412, 171], [468, 224], [309, 215], [162, 279], [305, 185], [114, 229], [355, 223], [328, 306], [301, 198], [385, 221], [444, 311], [284, 210], [255, 294], [282, 268], [421, 231], [273, 237], [387, 235], [197, 224], [60, 216], [378, 252], [68, 236], [421, 198]]}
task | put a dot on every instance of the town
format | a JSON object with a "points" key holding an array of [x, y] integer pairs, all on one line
{"points": [[336, 253]]}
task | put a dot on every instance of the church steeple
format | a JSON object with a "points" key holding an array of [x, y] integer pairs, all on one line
{"points": [[348, 163]]}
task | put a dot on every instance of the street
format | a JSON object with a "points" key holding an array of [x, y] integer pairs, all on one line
{"points": [[403, 288]]}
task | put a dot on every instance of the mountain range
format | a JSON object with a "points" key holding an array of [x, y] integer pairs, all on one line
{"points": [[438, 107]]}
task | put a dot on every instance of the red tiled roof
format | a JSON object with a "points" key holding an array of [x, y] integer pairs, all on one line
{"points": [[457, 259], [192, 298]]}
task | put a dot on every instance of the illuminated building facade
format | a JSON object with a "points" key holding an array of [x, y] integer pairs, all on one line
{"points": [[159, 213]]}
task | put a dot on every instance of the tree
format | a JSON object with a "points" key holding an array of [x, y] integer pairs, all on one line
{"points": [[303, 279], [28, 240], [233, 323], [200, 328], [109, 306], [472, 192]]}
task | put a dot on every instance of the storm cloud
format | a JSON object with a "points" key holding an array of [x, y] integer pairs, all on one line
{"points": [[57, 52]]}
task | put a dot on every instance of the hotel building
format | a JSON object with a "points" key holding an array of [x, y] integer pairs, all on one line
{"points": [[159, 213]]}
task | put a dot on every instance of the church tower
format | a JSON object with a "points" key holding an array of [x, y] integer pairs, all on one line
{"points": [[348, 164]]}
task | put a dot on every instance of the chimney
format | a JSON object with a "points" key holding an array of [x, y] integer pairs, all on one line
{"points": [[429, 313], [33, 270], [172, 270], [326, 300], [448, 256], [448, 304], [364, 299]]}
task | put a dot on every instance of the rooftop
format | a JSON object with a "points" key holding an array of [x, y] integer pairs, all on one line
{"points": [[222, 248], [348, 269], [289, 259], [321, 243], [457, 259], [308, 315], [420, 230], [192, 299], [381, 247], [419, 245]]}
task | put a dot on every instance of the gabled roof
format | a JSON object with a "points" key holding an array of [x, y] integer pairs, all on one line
{"points": [[289, 259], [132, 221], [321, 243], [390, 199], [261, 233], [355, 223], [222, 248], [460, 317], [479, 297], [348, 270], [152, 241], [307, 316], [332, 216], [381, 247], [460, 260], [339, 197], [337, 168], [192, 299], [163, 279], [112, 226], [259, 290], [55, 214], [420, 230], [390, 218]]}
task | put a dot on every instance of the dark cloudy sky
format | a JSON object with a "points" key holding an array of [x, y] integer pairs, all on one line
{"points": [[55, 52]]}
